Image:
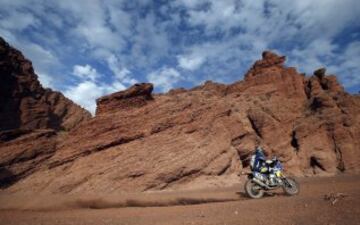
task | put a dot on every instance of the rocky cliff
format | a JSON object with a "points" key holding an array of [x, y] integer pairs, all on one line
{"points": [[30, 117], [25, 104], [141, 141]]}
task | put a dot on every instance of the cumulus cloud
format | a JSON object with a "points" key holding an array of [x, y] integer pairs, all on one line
{"points": [[90, 87], [86, 92], [164, 78], [120, 72], [190, 62], [91, 24], [85, 72]]}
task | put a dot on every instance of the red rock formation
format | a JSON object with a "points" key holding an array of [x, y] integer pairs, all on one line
{"points": [[135, 96], [22, 152], [25, 103], [204, 136], [29, 117]]}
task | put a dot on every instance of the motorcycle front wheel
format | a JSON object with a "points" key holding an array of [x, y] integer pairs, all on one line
{"points": [[253, 190], [291, 187]]}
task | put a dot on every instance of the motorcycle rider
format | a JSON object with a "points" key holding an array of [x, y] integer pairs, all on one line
{"points": [[266, 175], [260, 164]]}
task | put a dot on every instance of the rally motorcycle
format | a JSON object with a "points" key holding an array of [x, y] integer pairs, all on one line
{"points": [[258, 183]]}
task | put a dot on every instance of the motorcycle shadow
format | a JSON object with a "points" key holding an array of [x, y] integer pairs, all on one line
{"points": [[242, 194]]}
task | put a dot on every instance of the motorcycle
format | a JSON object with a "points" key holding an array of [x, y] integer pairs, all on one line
{"points": [[259, 183]]}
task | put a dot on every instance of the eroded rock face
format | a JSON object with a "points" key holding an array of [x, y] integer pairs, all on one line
{"points": [[187, 138], [22, 152], [136, 96], [25, 103], [30, 117]]}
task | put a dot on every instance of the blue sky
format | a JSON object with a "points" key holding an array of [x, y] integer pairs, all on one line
{"points": [[87, 49]]}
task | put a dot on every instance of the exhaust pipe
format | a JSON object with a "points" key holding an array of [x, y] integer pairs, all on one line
{"points": [[262, 184]]}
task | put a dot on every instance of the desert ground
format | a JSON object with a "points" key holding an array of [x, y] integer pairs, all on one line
{"points": [[326, 200]]}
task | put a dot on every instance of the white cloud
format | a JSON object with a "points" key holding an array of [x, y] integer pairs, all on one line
{"points": [[86, 93], [93, 22], [149, 44], [120, 72], [189, 3], [307, 27], [190, 62], [7, 35], [116, 86], [348, 68], [85, 72], [19, 21], [99, 36], [46, 80], [308, 58], [119, 18], [276, 18], [164, 78], [220, 14], [91, 87], [317, 17], [211, 39]]}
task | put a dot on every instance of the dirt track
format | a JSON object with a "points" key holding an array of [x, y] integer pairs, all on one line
{"points": [[225, 206]]}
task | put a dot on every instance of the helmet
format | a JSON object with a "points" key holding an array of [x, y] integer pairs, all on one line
{"points": [[259, 152]]}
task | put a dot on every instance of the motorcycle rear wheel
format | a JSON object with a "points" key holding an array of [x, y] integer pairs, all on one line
{"points": [[253, 190]]}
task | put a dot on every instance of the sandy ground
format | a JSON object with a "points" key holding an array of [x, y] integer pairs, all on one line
{"points": [[220, 207]]}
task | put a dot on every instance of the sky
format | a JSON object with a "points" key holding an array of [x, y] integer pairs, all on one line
{"points": [[90, 48]]}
